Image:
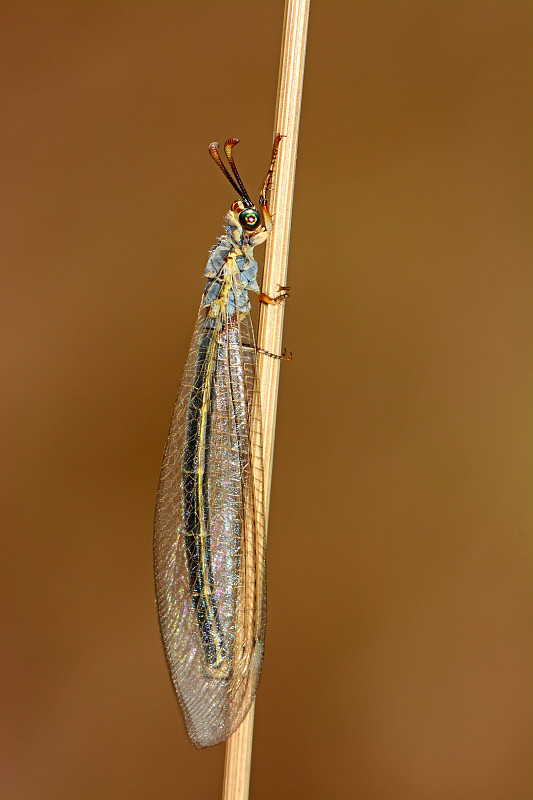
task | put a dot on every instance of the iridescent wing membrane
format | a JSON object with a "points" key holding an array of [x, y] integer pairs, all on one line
{"points": [[209, 551]]}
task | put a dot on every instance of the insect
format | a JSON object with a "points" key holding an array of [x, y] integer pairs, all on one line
{"points": [[209, 544]]}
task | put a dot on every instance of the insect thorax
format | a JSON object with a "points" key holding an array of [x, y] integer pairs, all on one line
{"points": [[231, 271]]}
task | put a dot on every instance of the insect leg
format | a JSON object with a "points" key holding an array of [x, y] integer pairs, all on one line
{"points": [[267, 218], [283, 354], [279, 298]]}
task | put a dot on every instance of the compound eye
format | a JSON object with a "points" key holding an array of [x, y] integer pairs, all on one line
{"points": [[249, 219]]}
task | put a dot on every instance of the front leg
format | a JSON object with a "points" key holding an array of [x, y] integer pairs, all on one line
{"points": [[265, 210]]}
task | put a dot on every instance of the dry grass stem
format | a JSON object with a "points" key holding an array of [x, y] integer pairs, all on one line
{"points": [[290, 84]]}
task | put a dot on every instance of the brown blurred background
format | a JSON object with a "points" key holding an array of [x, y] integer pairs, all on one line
{"points": [[400, 643]]}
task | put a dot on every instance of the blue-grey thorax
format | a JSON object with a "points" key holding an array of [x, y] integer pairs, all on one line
{"points": [[214, 272]]}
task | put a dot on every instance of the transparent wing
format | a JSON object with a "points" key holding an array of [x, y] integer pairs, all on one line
{"points": [[209, 548]]}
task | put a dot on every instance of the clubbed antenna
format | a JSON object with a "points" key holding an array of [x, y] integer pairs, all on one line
{"points": [[213, 152], [228, 147]]}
